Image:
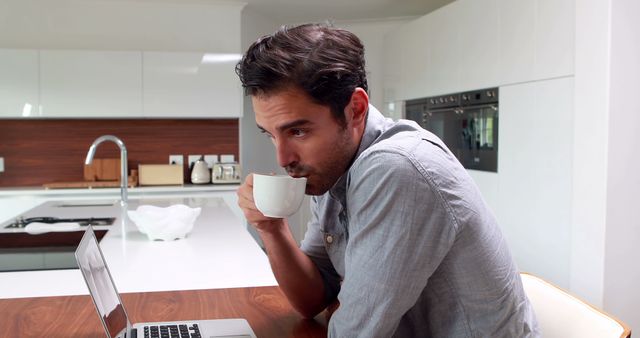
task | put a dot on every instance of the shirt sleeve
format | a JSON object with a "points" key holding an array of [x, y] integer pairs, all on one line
{"points": [[313, 246], [400, 230]]}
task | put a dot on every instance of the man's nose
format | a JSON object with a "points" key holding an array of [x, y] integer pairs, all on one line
{"points": [[285, 154]]}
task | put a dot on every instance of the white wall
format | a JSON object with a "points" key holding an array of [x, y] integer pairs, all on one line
{"points": [[257, 153], [120, 25], [371, 33], [256, 150], [590, 148], [621, 270]]}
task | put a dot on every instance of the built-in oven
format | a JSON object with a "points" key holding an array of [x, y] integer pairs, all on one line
{"points": [[466, 122]]}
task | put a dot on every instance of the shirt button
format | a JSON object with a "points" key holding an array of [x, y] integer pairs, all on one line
{"points": [[329, 239]]}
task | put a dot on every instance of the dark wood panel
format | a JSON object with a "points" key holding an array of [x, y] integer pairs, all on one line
{"points": [[266, 309], [43, 151], [26, 242]]}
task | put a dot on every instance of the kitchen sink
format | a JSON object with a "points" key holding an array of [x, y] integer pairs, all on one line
{"points": [[80, 204]]}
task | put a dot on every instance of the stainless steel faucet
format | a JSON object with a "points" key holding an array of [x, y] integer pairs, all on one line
{"points": [[124, 181]]}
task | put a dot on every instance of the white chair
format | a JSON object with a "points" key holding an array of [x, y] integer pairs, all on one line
{"points": [[564, 316]]}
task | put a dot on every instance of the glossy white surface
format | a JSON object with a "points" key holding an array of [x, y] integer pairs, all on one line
{"points": [[82, 83], [473, 44], [534, 175], [182, 85], [218, 253], [18, 82], [15, 201]]}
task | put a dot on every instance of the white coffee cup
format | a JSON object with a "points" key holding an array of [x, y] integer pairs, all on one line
{"points": [[278, 196]]}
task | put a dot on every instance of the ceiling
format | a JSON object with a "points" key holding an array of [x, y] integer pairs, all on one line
{"points": [[295, 11]]}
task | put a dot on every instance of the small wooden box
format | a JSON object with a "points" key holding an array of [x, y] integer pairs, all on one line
{"points": [[160, 174], [102, 169]]}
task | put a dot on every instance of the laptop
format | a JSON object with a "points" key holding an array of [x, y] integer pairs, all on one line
{"points": [[114, 317]]}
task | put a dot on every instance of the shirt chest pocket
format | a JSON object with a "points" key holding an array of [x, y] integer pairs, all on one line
{"points": [[335, 240]]}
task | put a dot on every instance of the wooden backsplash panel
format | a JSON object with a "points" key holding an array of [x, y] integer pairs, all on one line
{"points": [[44, 151]]}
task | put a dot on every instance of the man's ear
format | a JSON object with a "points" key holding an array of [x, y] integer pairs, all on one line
{"points": [[356, 110]]}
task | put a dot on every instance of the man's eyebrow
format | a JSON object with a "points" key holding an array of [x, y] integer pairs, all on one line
{"points": [[295, 123]]}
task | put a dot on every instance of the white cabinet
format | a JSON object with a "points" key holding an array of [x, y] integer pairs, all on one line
{"points": [[478, 44], [190, 85], [537, 39], [554, 39], [77, 83], [473, 44], [405, 62], [112, 84], [535, 174], [452, 49], [18, 83], [517, 45], [443, 45]]}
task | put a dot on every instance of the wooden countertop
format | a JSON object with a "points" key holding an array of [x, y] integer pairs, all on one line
{"points": [[265, 308]]}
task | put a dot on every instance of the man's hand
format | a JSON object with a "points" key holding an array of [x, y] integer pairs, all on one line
{"points": [[251, 213], [297, 275]]}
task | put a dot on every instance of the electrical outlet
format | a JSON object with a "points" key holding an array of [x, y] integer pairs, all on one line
{"points": [[228, 158], [211, 160], [176, 159], [193, 158], [1, 164]]}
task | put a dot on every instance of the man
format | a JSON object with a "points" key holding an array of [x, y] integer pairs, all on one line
{"points": [[399, 234]]}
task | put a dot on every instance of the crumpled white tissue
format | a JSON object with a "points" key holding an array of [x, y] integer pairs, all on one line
{"points": [[41, 228], [170, 223]]}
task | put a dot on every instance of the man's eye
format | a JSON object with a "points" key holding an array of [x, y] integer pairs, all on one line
{"points": [[266, 133], [298, 132]]}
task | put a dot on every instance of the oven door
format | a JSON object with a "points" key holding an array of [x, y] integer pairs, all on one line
{"points": [[478, 137], [471, 133], [445, 123]]}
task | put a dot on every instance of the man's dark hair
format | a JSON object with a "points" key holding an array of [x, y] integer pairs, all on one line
{"points": [[325, 62]]}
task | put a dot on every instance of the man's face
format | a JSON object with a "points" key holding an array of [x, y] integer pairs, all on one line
{"points": [[309, 141]]}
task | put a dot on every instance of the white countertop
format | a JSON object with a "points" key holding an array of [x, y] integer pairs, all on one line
{"points": [[40, 191], [218, 253]]}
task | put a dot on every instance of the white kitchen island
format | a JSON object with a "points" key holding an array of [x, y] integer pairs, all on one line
{"points": [[217, 253]]}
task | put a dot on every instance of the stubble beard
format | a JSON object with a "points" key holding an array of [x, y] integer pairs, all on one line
{"points": [[322, 177]]}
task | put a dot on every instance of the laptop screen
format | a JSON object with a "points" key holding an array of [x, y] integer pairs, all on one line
{"points": [[101, 287]]}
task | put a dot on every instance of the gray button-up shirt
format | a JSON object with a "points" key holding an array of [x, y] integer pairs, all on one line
{"points": [[406, 243]]}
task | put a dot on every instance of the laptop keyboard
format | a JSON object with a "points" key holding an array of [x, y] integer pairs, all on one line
{"points": [[171, 331]]}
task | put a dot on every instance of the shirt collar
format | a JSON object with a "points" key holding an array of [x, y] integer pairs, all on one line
{"points": [[374, 128]]}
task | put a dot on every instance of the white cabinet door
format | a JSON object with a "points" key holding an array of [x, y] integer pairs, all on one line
{"points": [[479, 43], [535, 174], [90, 83], [405, 62], [474, 44], [443, 43], [554, 39], [190, 85], [18, 83], [517, 40], [536, 39]]}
